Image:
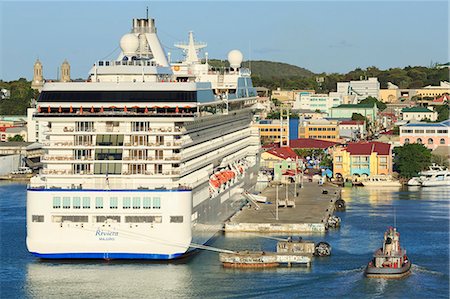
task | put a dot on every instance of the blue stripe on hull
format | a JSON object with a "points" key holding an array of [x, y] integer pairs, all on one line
{"points": [[99, 255]]}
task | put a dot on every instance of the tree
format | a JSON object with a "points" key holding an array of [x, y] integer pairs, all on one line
{"points": [[16, 137], [359, 116], [412, 158], [370, 100], [443, 112]]}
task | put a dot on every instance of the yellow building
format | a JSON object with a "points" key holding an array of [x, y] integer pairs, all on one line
{"points": [[288, 95], [320, 129], [270, 131], [362, 159], [388, 95]]}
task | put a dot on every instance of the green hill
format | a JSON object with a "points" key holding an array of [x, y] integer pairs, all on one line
{"points": [[275, 74]]}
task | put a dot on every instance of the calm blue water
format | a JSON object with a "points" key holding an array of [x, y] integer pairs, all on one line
{"points": [[422, 217]]}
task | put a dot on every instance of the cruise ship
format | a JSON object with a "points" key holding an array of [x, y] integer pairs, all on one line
{"points": [[145, 159]]}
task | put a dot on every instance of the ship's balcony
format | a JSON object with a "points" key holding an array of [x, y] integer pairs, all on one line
{"points": [[154, 159]]}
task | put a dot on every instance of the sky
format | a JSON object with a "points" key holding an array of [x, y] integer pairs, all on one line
{"points": [[322, 36]]}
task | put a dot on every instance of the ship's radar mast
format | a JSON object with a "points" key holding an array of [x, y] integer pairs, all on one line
{"points": [[191, 49]]}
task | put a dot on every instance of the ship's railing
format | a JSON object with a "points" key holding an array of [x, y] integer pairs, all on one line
{"points": [[101, 63], [111, 185], [153, 158]]}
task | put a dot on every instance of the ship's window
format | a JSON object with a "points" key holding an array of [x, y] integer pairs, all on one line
{"points": [[101, 219], [126, 202], [84, 126], [99, 202], [66, 202], [156, 202], [72, 218], [113, 203], [158, 168], [76, 202], [108, 168], [86, 202], [143, 219], [37, 218], [176, 219], [56, 202], [136, 202], [147, 203]]}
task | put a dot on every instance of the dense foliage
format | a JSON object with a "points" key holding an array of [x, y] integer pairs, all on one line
{"points": [[16, 138], [370, 100], [21, 95], [443, 112], [410, 159]]}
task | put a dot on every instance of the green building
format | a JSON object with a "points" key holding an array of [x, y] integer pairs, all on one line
{"points": [[346, 111]]}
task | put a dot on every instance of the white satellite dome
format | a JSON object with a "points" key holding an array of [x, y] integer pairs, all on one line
{"points": [[235, 58], [129, 43]]}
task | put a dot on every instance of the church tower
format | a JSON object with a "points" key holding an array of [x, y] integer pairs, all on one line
{"points": [[38, 78], [65, 71]]}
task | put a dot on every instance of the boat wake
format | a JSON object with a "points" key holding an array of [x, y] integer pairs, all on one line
{"points": [[419, 269]]}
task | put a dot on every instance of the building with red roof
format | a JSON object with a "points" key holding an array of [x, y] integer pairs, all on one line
{"points": [[308, 143], [268, 158], [362, 159]]}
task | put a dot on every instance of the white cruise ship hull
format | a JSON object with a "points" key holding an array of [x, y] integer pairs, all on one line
{"points": [[51, 237]]}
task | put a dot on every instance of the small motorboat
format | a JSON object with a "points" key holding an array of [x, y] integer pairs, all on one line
{"points": [[390, 261]]}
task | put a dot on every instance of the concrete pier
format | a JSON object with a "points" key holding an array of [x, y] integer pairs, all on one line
{"points": [[310, 211]]}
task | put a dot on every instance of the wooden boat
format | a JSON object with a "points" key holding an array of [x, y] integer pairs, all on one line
{"points": [[390, 261]]}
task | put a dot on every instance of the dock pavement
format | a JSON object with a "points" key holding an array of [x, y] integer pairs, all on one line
{"points": [[309, 214]]}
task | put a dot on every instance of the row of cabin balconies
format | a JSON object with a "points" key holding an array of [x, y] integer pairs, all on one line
{"points": [[126, 144], [114, 129], [90, 159], [127, 172]]}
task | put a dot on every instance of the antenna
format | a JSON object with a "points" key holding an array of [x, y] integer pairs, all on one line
{"points": [[147, 12]]}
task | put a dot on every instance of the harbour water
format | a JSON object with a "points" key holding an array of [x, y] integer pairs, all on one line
{"points": [[421, 215]]}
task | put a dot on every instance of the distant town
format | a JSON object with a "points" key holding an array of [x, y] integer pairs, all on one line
{"points": [[352, 133]]}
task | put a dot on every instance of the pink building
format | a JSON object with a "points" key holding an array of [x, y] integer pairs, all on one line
{"points": [[431, 135]]}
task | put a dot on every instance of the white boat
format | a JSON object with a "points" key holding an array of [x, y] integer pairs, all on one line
{"points": [[426, 175], [131, 154], [381, 181], [441, 178]]}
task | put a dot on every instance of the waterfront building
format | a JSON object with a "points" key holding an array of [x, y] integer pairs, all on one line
{"points": [[362, 159], [289, 96], [10, 132], [283, 169], [310, 143], [319, 129], [361, 88], [346, 111], [38, 77], [418, 114], [352, 129], [270, 157], [274, 130], [316, 102], [432, 135]]}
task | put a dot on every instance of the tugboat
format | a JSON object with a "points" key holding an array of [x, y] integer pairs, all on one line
{"points": [[390, 261]]}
